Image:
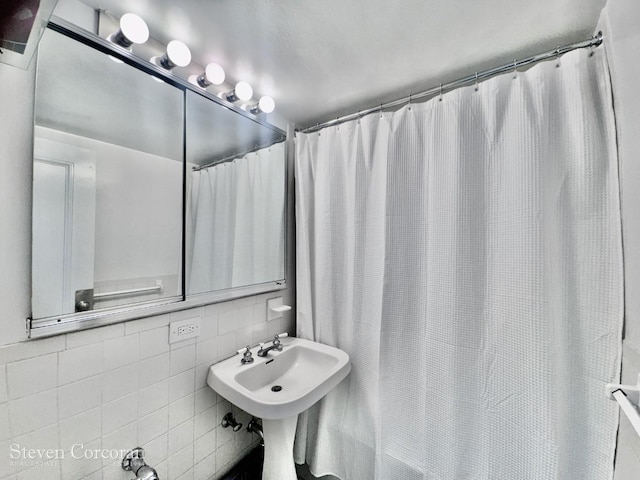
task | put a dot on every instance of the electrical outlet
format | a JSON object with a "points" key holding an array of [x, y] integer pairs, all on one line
{"points": [[184, 329]]}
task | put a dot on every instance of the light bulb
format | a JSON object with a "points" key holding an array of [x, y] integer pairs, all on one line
{"points": [[177, 55], [213, 75], [243, 91], [266, 104], [133, 29]]}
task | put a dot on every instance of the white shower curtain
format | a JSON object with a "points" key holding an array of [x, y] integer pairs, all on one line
{"points": [[466, 253], [237, 222]]}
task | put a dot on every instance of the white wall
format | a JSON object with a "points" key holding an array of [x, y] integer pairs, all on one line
{"points": [[622, 39], [138, 214], [118, 386]]}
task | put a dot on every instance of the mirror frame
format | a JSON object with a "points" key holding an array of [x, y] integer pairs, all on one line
{"points": [[60, 324]]}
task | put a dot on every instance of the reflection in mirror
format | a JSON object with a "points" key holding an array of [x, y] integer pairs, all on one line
{"points": [[108, 188], [236, 199]]}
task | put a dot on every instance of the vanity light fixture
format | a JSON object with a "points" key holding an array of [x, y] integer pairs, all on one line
{"points": [[133, 29], [213, 75], [264, 105], [242, 91], [177, 55]]}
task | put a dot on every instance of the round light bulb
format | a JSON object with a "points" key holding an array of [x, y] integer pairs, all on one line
{"points": [[243, 91], [266, 104], [214, 73], [134, 28], [178, 53]]}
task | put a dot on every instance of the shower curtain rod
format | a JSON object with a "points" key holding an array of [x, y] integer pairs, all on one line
{"points": [[234, 156], [593, 42]]}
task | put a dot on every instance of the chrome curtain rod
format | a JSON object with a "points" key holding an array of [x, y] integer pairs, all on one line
{"points": [[593, 42], [234, 156]]}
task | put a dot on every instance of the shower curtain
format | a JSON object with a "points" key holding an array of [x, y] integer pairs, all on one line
{"points": [[466, 253], [235, 207]]}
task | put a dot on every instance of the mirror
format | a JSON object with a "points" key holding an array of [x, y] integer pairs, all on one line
{"points": [[236, 199], [108, 182], [116, 190]]}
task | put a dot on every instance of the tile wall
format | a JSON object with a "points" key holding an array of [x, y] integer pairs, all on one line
{"points": [[121, 386]]}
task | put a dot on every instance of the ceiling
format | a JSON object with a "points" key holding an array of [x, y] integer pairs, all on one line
{"points": [[324, 58]]}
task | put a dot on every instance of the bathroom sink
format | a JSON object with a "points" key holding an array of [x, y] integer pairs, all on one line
{"points": [[282, 384]]}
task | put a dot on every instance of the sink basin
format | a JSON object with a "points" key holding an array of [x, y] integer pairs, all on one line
{"points": [[282, 384], [277, 388]]}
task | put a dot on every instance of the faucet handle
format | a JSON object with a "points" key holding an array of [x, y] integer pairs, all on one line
{"points": [[278, 336], [246, 356]]}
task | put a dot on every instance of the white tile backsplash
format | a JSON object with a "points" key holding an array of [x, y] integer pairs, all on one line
{"points": [[6, 468], [154, 342], [119, 382], [207, 351], [181, 385], [180, 436], [81, 362], [182, 359], [205, 469], [205, 398], [122, 386], [5, 433], [206, 421], [180, 462], [154, 369], [153, 397], [119, 413], [79, 396], [92, 336], [3, 384], [119, 352], [33, 412], [181, 410], [34, 375], [155, 450], [82, 428], [153, 425]]}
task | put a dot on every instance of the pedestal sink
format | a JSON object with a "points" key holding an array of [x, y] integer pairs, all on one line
{"points": [[277, 388]]}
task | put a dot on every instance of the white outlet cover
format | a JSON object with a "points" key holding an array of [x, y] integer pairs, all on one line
{"points": [[175, 326]]}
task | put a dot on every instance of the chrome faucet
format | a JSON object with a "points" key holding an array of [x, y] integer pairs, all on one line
{"points": [[134, 462], [277, 345]]}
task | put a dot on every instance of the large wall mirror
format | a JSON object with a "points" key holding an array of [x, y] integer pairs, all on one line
{"points": [[236, 197], [149, 195]]}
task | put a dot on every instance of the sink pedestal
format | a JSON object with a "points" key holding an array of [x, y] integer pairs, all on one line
{"points": [[278, 448]]}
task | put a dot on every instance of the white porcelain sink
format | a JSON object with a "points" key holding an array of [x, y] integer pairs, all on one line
{"points": [[302, 373], [277, 388]]}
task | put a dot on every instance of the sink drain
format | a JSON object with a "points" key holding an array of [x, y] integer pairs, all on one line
{"points": [[276, 388]]}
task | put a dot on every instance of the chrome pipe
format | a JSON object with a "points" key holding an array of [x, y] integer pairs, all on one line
{"points": [[593, 42]]}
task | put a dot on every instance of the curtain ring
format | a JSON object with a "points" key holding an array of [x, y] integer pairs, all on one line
{"points": [[558, 57], [409, 102], [380, 110], [476, 82], [440, 93], [515, 68]]}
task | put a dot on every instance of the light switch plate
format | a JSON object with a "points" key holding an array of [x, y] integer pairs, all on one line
{"points": [[184, 329]]}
